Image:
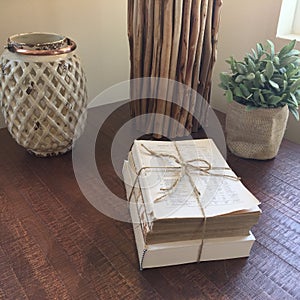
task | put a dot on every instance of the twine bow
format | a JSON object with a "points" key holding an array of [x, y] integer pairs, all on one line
{"points": [[185, 168]]}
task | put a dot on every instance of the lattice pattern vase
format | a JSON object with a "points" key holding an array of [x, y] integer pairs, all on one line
{"points": [[43, 92]]}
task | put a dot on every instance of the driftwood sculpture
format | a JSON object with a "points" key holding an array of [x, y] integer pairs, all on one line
{"points": [[173, 39]]}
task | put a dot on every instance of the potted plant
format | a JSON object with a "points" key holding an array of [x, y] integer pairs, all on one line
{"points": [[261, 90]]}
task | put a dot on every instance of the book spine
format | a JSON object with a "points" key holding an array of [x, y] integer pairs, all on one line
{"points": [[136, 198], [135, 165]]}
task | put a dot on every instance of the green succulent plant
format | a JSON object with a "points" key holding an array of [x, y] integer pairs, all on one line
{"points": [[265, 78]]}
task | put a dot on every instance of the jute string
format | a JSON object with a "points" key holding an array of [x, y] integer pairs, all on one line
{"points": [[185, 167]]}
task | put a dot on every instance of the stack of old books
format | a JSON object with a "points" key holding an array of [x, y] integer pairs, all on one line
{"points": [[186, 204]]}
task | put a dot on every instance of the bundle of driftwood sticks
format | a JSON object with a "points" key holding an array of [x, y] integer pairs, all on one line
{"points": [[174, 39]]}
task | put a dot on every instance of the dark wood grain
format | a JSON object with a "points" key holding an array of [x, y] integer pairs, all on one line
{"points": [[55, 245]]}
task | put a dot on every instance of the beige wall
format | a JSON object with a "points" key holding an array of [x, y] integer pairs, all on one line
{"points": [[98, 27], [243, 24]]}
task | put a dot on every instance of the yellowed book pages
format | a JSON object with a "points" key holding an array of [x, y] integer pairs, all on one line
{"points": [[168, 194]]}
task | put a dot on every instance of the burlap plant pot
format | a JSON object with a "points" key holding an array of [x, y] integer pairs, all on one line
{"points": [[255, 134]]}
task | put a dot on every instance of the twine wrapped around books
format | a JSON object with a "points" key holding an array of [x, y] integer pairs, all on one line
{"points": [[185, 168]]}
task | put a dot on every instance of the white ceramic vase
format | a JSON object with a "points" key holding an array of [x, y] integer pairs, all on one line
{"points": [[43, 92]]}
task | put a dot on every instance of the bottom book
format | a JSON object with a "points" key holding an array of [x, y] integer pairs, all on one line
{"points": [[176, 253]]}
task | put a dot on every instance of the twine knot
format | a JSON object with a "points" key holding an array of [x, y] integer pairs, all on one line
{"points": [[185, 168]]}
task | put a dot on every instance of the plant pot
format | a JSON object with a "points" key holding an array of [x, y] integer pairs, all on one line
{"points": [[255, 134], [43, 92]]}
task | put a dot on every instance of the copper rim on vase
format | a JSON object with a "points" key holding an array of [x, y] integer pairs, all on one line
{"points": [[40, 43]]}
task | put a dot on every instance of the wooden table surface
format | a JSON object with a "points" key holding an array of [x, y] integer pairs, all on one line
{"points": [[55, 245]]}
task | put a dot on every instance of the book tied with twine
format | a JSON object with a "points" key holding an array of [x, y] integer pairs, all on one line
{"points": [[185, 190]]}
